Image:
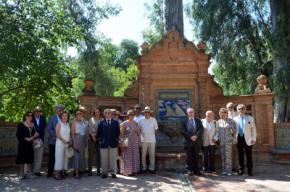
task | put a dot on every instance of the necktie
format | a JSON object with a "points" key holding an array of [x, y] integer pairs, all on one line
{"points": [[108, 122], [241, 126], [192, 122]]}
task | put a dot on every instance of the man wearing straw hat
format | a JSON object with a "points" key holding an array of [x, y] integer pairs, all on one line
{"points": [[148, 127]]}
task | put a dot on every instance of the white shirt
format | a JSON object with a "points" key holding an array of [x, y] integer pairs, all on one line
{"points": [[148, 128], [232, 114], [37, 120], [138, 118]]}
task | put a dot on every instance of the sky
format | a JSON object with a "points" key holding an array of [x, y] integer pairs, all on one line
{"points": [[131, 21]]}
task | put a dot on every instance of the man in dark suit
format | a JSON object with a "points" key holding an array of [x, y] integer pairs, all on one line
{"points": [[192, 130], [40, 124], [108, 134]]}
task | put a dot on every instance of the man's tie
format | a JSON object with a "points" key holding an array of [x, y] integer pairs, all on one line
{"points": [[241, 126], [192, 122], [108, 122]]}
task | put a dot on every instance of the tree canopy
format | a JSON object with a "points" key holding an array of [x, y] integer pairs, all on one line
{"points": [[35, 35], [244, 42], [155, 15]]}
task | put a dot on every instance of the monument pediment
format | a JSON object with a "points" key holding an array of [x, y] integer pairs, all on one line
{"points": [[174, 55], [172, 47]]}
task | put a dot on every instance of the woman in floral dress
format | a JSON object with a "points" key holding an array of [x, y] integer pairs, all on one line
{"points": [[130, 142]]}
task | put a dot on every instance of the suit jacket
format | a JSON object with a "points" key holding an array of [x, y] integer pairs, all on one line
{"points": [[52, 122], [250, 132], [188, 134], [108, 134], [41, 127]]}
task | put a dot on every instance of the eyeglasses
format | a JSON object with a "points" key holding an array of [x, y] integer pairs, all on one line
{"points": [[241, 109], [138, 108]]}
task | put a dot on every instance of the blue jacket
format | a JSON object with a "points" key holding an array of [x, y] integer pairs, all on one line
{"points": [[108, 134], [41, 127], [52, 122]]}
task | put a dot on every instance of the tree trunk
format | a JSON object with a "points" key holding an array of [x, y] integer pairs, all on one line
{"points": [[281, 47]]}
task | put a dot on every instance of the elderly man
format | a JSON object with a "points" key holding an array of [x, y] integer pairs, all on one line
{"points": [[235, 156], [209, 145], [108, 132], [192, 130], [246, 137], [231, 110], [138, 113], [148, 127], [52, 122], [40, 124]]}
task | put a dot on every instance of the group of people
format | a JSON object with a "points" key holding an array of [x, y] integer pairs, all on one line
{"points": [[108, 137], [235, 134], [83, 144]]}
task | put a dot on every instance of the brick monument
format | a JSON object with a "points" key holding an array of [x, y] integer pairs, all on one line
{"points": [[173, 75]]}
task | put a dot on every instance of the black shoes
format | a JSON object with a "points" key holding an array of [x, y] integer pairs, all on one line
{"points": [[198, 173], [143, 171], [104, 176], [38, 174], [190, 173], [49, 175], [90, 173], [152, 171], [251, 173], [114, 176]]}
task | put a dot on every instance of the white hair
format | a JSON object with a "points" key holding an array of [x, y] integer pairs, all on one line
{"points": [[230, 104], [107, 111], [241, 105], [208, 112], [189, 109]]}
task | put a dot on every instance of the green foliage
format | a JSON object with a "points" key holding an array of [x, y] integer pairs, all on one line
{"points": [[237, 35], [114, 68], [33, 65], [128, 52], [123, 78], [155, 15]]}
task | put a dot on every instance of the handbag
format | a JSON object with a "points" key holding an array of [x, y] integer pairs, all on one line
{"points": [[37, 143], [126, 142], [69, 152]]}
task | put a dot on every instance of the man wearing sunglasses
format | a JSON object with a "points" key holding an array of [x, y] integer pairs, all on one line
{"points": [[39, 123], [246, 137]]}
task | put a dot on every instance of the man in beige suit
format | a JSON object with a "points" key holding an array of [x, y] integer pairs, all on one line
{"points": [[246, 137]]}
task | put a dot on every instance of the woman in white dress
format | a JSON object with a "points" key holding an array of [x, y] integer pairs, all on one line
{"points": [[62, 142]]}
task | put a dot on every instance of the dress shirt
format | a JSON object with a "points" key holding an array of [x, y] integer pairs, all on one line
{"points": [[148, 128], [138, 118]]}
